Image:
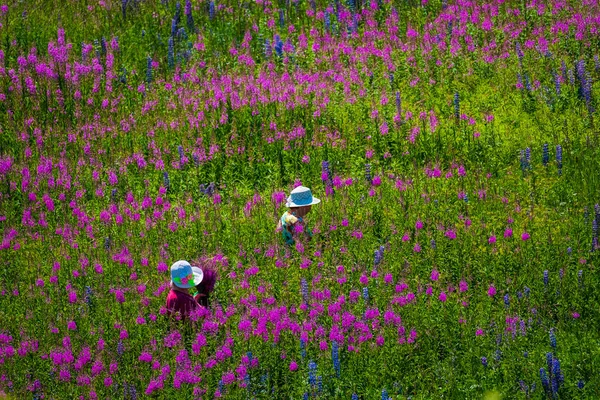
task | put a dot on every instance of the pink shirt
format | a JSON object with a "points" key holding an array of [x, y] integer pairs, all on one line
{"points": [[182, 303]]}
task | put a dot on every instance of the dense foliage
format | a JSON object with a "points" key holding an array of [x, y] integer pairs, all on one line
{"points": [[454, 146]]}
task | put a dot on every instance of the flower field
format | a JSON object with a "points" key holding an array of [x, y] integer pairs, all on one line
{"points": [[454, 146]]}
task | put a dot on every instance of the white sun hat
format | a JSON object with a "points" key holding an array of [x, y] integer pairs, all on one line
{"points": [[183, 276], [301, 196]]}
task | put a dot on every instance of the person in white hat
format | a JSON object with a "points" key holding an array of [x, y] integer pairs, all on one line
{"points": [[183, 277], [299, 203]]}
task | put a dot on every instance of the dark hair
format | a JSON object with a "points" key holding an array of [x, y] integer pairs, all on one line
{"points": [[208, 281]]}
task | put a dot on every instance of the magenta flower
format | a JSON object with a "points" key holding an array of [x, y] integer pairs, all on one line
{"points": [[463, 286], [417, 248], [162, 267], [435, 275], [72, 297], [228, 378], [450, 234], [491, 291], [419, 224], [479, 332], [492, 239], [442, 297], [71, 325], [525, 236], [508, 233], [388, 278], [293, 366], [120, 296], [364, 280]]}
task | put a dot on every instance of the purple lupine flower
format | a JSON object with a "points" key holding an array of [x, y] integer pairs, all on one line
{"points": [[556, 82], [519, 53], [189, 17], [585, 84], [545, 381], [559, 158], [211, 10], [399, 106]]}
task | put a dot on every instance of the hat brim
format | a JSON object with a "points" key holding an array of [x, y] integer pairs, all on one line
{"points": [[197, 279], [292, 204], [197, 272]]}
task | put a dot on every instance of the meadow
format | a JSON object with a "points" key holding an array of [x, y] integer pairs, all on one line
{"points": [[454, 146]]}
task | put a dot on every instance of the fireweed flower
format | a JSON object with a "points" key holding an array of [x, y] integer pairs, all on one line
{"points": [[450, 234], [491, 291]]}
